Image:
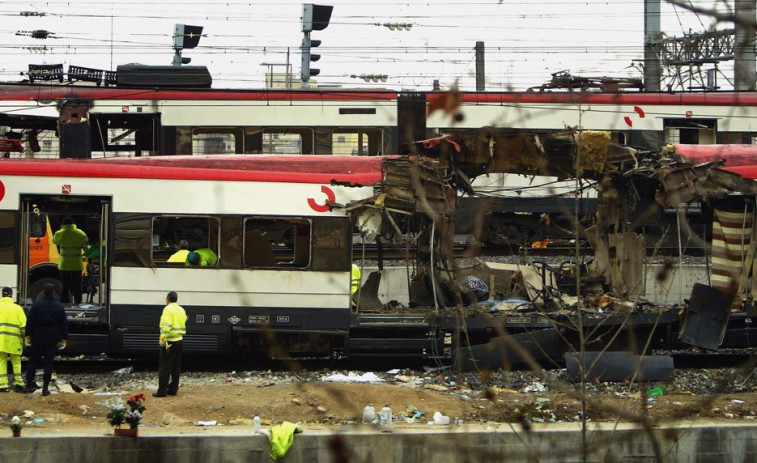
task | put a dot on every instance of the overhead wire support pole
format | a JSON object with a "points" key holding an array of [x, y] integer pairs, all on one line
{"points": [[652, 72]]}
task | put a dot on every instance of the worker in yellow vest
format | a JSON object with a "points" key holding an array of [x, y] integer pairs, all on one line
{"points": [[72, 243], [12, 326], [173, 326], [355, 283]]}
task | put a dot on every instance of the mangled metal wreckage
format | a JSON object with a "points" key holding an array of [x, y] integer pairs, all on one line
{"points": [[494, 315]]}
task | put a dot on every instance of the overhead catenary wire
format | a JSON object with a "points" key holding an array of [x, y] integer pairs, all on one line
{"points": [[231, 55]]}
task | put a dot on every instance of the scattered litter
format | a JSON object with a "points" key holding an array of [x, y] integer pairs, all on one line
{"points": [[435, 387], [657, 390], [107, 393], [84, 409], [440, 419], [123, 371], [535, 387], [353, 378], [394, 371], [207, 423], [28, 414], [737, 401], [38, 420], [75, 387]]}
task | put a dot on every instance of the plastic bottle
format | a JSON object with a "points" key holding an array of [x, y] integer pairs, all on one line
{"points": [[386, 416], [256, 423], [369, 414]]}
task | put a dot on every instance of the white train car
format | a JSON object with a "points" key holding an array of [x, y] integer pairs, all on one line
{"points": [[283, 242]]}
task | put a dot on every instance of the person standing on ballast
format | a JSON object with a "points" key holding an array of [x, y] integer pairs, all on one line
{"points": [[46, 333]]}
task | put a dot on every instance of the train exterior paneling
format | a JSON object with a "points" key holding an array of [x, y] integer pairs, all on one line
{"points": [[630, 112], [301, 291]]}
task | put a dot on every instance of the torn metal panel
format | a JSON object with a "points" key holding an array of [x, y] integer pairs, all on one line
{"points": [[416, 185], [706, 318], [619, 366], [564, 154], [534, 281], [366, 297], [627, 269]]}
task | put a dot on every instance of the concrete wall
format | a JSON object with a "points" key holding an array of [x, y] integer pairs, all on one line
{"points": [[545, 443]]}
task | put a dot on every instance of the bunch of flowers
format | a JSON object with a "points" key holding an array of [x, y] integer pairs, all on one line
{"points": [[16, 424], [137, 406], [118, 414]]}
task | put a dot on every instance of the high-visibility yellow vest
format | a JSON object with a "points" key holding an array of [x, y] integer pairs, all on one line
{"points": [[355, 279], [12, 326], [72, 242], [173, 323]]}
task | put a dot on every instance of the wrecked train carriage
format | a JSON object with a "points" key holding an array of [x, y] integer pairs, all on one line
{"points": [[422, 188], [548, 325]]}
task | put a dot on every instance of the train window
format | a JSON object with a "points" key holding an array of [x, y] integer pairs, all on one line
{"points": [[277, 242], [131, 244], [37, 225], [287, 141], [690, 131], [332, 244], [360, 142], [620, 138], [7, 236], [217, 141], [173, 234]]}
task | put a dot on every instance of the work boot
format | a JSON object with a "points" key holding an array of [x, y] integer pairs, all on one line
{"points": [[19, 388], [45, 391], [4, 389], [30, 388]]}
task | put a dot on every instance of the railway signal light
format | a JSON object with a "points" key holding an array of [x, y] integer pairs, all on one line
{"points": [[314, 18], [185, 36]]}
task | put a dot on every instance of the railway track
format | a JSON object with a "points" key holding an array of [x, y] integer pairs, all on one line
{"points": [[683, 359]]}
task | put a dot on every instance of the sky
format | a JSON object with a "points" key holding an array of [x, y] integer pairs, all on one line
{"points": [[525, 41]]}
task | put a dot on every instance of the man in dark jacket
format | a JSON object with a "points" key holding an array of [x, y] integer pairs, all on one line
{"points": [[46, 333]]}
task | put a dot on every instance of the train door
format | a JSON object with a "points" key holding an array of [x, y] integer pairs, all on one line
{"points": [[41, 216]]}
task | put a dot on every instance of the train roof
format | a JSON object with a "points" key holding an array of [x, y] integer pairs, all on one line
{"points": [[28, 92], [738, 158], [353, 170], [24, 91]]}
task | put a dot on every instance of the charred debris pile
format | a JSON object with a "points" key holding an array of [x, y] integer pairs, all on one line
{"points": [[418, 201]]}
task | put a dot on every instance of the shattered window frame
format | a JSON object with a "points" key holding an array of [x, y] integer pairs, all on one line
{"points": [[277, 242], [168, 230]]}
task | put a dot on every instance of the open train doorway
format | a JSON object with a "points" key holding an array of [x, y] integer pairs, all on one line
{"points": [[41, 217]]}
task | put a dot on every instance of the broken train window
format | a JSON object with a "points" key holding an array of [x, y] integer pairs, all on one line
{"points": [[277, 242]]}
